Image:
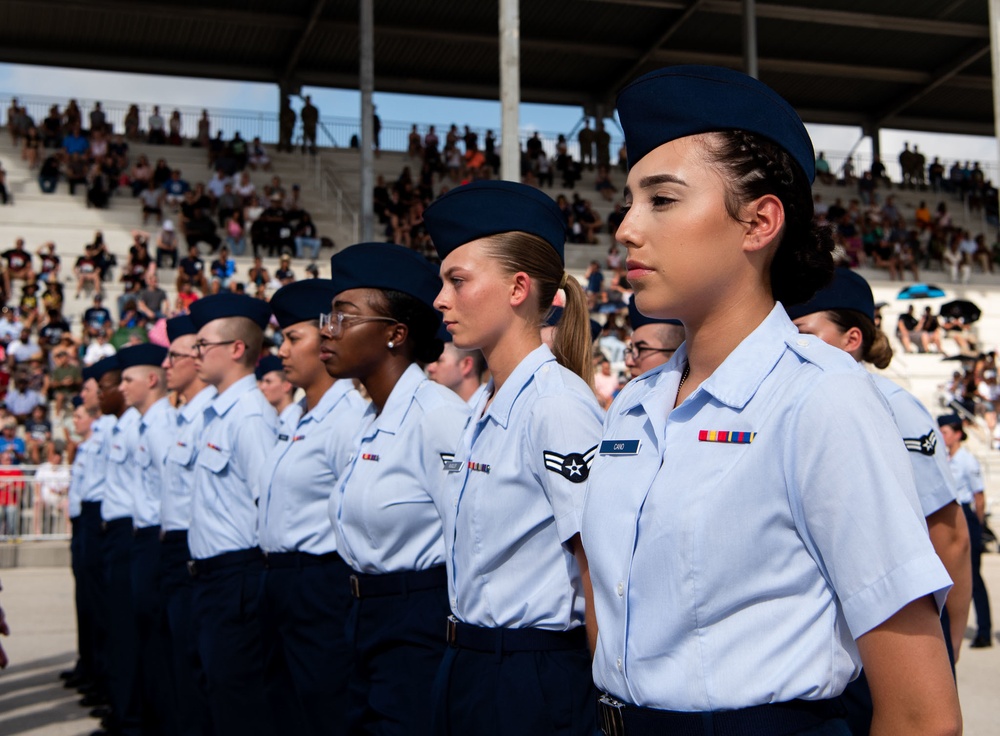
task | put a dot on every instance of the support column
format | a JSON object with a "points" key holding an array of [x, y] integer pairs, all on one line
{"points": [[995, 59], [510, 89], [750, 37], [367, 84]]}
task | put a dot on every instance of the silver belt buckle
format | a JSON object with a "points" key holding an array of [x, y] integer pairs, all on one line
{"points": [[611, 721], [355, 586], [452, 634]]}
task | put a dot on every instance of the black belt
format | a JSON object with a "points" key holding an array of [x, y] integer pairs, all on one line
{"points": [[146, 531], [221, 562], [281, 560], [398, 583], [90, 506], [773, 719], [110, 526], [174, 536], [480, 639]]}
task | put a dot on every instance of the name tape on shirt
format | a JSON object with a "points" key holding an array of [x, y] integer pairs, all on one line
{"points": [[620, 447], [925, 445], [574, 467], [726, 436]]}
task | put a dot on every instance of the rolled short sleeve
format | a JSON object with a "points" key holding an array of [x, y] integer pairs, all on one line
{"points": [[852, 495], [565, 432]]}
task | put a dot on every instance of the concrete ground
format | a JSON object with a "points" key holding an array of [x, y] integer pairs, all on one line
{"points": [[39, 606]]}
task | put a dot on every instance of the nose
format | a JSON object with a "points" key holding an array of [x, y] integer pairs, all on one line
{"points": [[440, 302], [625, 234]]}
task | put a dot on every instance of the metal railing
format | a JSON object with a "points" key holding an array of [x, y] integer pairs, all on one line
{"points": [[34, 508], [335, 196]]}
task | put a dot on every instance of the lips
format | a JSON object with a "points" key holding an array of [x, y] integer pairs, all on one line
{"points": [[636, 269]]}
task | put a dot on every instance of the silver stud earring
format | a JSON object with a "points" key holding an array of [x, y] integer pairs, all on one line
{"points": [[391, 344]]}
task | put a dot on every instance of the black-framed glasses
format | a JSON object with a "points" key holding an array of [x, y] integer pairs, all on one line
{"points": [[201, 347], [173, 357], [334, 323], [635, 351]]}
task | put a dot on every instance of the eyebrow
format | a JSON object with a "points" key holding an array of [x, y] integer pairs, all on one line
{"points": [[338, 305], [651, 181]]}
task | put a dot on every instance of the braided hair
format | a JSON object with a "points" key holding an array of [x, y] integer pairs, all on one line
{"points": [[753, 167]]}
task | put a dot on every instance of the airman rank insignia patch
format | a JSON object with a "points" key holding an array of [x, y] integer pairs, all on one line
{"points": [[925, 445], [573, 467]]}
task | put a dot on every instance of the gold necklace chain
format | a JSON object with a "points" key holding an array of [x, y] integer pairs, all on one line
{"points": [[684, 375]]}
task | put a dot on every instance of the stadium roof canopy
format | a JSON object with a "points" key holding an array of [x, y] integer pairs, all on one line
{"points": [[912, 64]]}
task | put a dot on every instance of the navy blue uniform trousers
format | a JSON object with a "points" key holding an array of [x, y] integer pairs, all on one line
{"points": [[185, 666], [980, 598], [123, 646], [398, 642], [226, 603], [527, 693], [92, 594], [307, 658]]}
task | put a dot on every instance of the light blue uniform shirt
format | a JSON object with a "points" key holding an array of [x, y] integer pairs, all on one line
{"points": [[729, 574], [155, 434], [240, 430], [84, 462], [968, 476], [302, 470], [123, 473], [98, 445], [290, 416], [386, 508], [178, 470], [515, 492], [924, 445]]}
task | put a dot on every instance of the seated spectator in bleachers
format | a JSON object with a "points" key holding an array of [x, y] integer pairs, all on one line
{"points": [[48, 175], [245, 188], [227, 203], [140, 176], [157, 132], [271, 229], [28, 306], [257, 156], [307, 237], [571, 174], [151, 200], [237, 153], [175, 188], [197, 223], [605, 383], [10, 443], [49, 270], [10, 325], [191, 271], [152, 300], [97, 319], [982, 255], [21, 399], [293, 205], [258, 276], [185, 298], [87, 272], [223, 270], [52, 128], [955, 328], [31, 148], [161, 173], [52, 297], [127, 299], [167, 244], [37, 433], [140, 263], [603, 184], [52, 329], [75, 144], [285, 275], [98, 349], [72, 116], [18, 265], [235, 233], [24, 348], [217, 185], [542, 169], [76, 170], [98, 187], [175, 136], [823, 170], [929, 331], [66, 376], [595, 284], [118, 150]]}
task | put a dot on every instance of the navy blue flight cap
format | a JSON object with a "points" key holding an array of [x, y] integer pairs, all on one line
{"points": [[77, 401], [98, 369], [637, 319], [483, 208], [847, 290], [679, 101], [268, 363], [228, 304], [385, 266], [954, 421], [302, 301], [179, 326], [145, 354]]}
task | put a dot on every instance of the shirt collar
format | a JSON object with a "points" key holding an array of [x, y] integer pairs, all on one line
{"points": [[225, 401], [503, 401], [196, 406], [330, 399], [734, 382], [400, 399], [160, 406]]}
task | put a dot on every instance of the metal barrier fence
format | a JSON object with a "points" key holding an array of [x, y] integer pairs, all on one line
{"points": [[34, 502]]}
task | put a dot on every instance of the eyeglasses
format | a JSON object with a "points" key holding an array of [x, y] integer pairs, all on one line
{"points": [[635, 351], [173, 357], [201, 347], [332, 323]]}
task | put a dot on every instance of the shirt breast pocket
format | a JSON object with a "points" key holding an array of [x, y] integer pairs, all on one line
{"points": [[181, 454], [143, 459], [215, 460], [117, 453]]}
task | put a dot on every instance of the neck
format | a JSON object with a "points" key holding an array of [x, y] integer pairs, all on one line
{"points": [[380, 383], [153, 397], [953, 449], [711, 338], [286, 401], [317, 389], [192, 389], [507, 353], [238, 372]]}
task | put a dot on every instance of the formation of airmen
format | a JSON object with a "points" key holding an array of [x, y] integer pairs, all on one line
{"points": [[722, 552]]}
